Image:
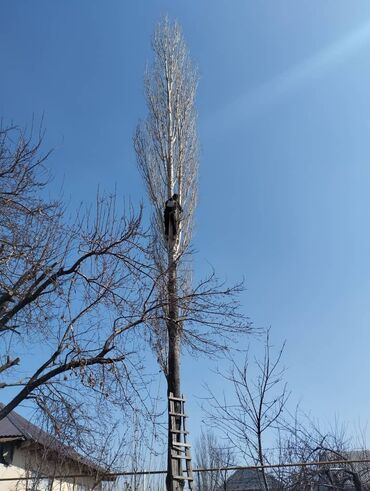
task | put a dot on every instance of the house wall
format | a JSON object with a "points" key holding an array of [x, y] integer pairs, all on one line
{"points": [[26, 460], [16, 470]]}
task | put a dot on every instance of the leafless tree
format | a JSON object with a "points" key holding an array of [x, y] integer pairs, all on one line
{"points": [[73, 291], [260, 402], [302, 440], [166, 146], [210, 453], [167, 152]]}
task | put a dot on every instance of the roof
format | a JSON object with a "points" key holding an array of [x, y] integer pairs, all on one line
{"points": [[250, 480], [15, 427]]}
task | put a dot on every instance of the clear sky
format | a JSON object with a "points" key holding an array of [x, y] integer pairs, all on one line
{"points": [[284, 124]]}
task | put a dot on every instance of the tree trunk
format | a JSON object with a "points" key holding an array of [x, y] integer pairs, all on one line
{"points": [[173, 375], [261, 459]]}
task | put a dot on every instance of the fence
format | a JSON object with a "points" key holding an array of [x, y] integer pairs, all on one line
{"points": [[143, 480]]}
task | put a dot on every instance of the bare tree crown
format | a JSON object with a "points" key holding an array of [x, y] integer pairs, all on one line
{"points": [[166, 142], [70, 286]]}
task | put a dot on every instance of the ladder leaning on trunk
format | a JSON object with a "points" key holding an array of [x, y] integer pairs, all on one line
{"points": [[180, 448]]}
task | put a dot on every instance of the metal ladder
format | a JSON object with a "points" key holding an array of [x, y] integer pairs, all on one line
{"points": [[180, 448]]}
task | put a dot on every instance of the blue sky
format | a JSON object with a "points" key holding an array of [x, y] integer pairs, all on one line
{"points": [[284, 125]]}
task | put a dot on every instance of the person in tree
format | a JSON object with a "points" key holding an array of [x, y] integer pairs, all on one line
{"points": [[171, 215]]}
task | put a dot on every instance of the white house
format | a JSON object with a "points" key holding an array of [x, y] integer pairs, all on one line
{"points": [[31, 459]]}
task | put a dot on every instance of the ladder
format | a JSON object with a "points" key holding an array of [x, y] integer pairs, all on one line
{"points": [[180, 448]]}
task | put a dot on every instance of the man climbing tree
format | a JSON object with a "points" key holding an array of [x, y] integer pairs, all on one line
{"points": [[171, 216], [206, 316]]}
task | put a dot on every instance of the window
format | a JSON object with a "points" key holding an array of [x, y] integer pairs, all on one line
{"points": [[6, 453]]}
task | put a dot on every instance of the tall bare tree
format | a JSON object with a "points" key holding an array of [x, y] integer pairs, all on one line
{"points": [[167, 150], [166, 146]]}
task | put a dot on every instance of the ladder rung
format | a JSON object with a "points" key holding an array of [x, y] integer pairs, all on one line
{"points": [[180, 444], [179, 449], [182, 415], [185, 457], [182, 432], [172, 398], [182, 478]]}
